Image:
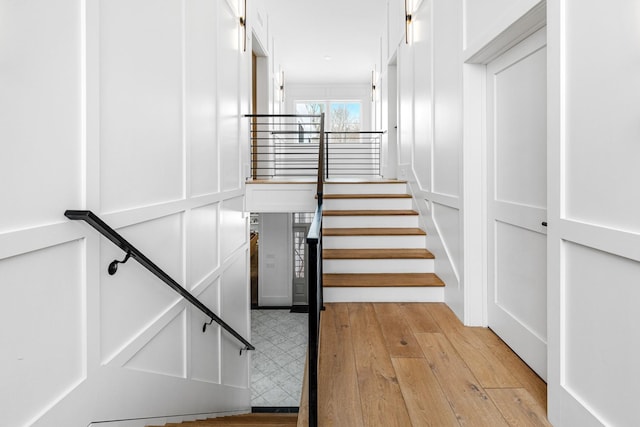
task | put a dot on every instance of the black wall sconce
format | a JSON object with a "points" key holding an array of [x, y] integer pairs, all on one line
{"points": [[281, 86], [407, 21], [373, 85], [243, 24]]}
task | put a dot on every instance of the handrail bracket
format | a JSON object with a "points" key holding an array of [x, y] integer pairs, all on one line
{"points": [[113, 266]]}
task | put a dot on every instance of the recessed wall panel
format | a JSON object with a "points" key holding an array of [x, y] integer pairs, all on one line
{"points": [[205, 346], [600, 345], [233, 227], [602, 104], [235, 306], [447, 97], [141, 146], [40, 112], [133, 297], [521, 276], [42, 325], [228, 94], [447, 220], [480, 16], [423, 102], [521, 131], [200, 98], [203, 242], [165, 353]]}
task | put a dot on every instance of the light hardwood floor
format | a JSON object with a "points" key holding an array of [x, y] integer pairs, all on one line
{"points": [[416, 365]]}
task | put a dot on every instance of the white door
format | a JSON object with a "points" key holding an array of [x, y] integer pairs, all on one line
{"points": [[517, 199]]}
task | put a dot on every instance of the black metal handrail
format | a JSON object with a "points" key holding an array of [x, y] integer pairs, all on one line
{"points": [[131, 252], [316, 300], [314, 243]]}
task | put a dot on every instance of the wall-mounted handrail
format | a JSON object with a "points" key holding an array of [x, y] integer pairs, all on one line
{"points": [[94, 221]]}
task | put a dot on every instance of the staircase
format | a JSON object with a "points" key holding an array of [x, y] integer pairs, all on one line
{"points": [[373, 248], [247, 420]]}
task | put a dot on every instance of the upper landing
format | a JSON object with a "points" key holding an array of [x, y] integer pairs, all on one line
{"points": [[299, 194]]}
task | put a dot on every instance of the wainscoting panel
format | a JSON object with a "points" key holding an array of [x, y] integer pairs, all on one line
{"points": [[601, 318], [42, 325], [141, 103]]}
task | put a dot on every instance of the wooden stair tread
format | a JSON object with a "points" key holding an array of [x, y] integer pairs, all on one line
{"points": [[366, 196], [369, 212], [245, 420], [382, 280], [376, 254], [412, 231], [364, 181]]}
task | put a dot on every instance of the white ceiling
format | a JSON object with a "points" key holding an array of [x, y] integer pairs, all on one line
{"points": [[307, 32]]}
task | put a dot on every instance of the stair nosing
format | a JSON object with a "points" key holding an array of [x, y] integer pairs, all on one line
{"points": [[366, 182], [370, 212], [370, 231], [396, 253], [381, 280], [366, 196]]}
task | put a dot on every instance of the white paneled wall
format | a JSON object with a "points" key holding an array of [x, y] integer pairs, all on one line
{"points": [[594, 240], [129, 109], [41, 105], [430, 128]]}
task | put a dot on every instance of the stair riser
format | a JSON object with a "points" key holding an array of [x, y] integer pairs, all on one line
{"points": [[360, 204], [378, 266], [381, 188], [383, 221], [384, 295], [373, 242]]}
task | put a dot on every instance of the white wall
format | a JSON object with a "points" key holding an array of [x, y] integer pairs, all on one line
{"points": [[124, 108], [276, 260], [430, 128]]}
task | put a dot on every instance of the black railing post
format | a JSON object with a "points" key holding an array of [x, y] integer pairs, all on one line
{"points": [[313, 336], [326, 156], [314, 243]]}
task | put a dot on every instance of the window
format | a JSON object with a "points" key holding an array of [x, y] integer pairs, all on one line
{"points": [[343, 116]]}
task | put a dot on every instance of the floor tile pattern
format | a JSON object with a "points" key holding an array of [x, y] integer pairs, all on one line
{"points": [[280, 338]]}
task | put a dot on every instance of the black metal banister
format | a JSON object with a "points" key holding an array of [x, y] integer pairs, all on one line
{"points": [[314, 243], [314, 239], [94, 221]]}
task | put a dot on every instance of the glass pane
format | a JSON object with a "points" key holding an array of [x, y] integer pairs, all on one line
{"points": [[309, 107], [299, 242], [346, 116]]}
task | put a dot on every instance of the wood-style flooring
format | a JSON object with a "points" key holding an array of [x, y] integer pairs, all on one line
{"points": [[407, 364]]}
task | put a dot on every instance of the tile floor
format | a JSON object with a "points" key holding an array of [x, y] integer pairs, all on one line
{"points": [[280, 338]]}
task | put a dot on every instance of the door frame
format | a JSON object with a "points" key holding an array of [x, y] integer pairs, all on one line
{"points": [[474, 169]]}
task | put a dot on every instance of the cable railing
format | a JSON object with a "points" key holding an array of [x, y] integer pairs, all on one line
{"points": [[284, 145], [287, 145], [131, 252], [355, 153]]}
